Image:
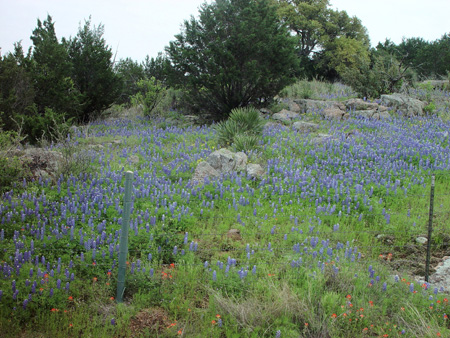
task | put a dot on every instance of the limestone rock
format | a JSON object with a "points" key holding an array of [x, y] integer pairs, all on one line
{"points": [[305, 127], [241, 161], [316, 105], [421, 240], [285, 115], [382, 114], [133, 159], [294, 107], [358, 104], [41, 162], [204, 170], [321, 139], [333, 114], [365, 113], [255, 170], [222, 160], [265, 111], [405, 104], [225, 161], [97, 146]]}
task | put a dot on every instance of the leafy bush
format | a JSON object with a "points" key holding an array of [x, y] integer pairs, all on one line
{"points": [[430, 108], [383, 75], [11, 168], [151, 93], [242, 128], [46, 126]]}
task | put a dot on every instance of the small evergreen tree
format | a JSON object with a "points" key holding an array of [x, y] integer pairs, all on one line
{"points": [[16, 88], [236, 54], [51, 72], [92, 71]]}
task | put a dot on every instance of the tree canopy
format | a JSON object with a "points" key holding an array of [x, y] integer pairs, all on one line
{"points": [[56, 81], [318, 29], [92, 71], [236, 54]]}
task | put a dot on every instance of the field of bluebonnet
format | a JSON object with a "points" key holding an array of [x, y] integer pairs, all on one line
{"points": [[326, 244]]}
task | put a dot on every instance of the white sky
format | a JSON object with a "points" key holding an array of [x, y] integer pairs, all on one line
{"points": [[136, 28]]}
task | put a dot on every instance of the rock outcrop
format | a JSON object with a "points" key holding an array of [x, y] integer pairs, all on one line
{"points": [[285, 116], [41, 162], [224, 161], [405, 104], [255, 171], [305, 127], [307, 105]]}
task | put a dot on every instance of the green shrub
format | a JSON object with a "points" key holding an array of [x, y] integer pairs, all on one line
{"points": [[171, 100], [430, 108], [245, 122], [384, 74], [11, 167], [151, 93]]}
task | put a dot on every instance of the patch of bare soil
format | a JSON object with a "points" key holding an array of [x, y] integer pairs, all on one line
{"points": [[154, 320]]}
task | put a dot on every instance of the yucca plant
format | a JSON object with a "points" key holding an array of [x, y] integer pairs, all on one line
{"points": [[242, 121], [245, 142], [248, 119]]}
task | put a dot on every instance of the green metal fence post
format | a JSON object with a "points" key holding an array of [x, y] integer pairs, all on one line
{"points": [[123, 245], [430, 230]]}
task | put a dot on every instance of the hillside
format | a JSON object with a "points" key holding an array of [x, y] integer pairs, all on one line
{"points": [[324, 244]]}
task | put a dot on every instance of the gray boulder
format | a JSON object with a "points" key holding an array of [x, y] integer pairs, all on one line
{"points": [[334, 114], [405, 104], [358, 105], [305, 127], [204, 170], [321, 139], [285, 115], [316, 105], [255, 170], [241, 161], [41, 162], [225, 161], [222, 160], [133, 159], [265, 111], [421, 240], [294, 107]]}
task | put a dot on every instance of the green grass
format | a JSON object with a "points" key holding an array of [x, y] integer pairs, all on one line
{"points": [[318, 90]]}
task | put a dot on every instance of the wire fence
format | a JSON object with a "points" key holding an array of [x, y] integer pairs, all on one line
{"points": [[292, 227]]}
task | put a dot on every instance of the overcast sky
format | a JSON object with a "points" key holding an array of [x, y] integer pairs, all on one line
{"points": [[136, 28]]}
